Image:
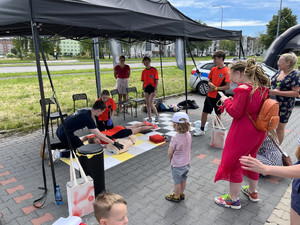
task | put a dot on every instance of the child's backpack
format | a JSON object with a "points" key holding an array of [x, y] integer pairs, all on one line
{"points": [[268, 116]]}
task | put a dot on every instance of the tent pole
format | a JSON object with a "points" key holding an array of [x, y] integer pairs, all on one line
{"points": [[161, 68], [41, 86], [97, 66], [185, 76]]}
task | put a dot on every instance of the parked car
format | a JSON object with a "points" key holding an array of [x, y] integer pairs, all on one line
{"points": [[200, 81]]}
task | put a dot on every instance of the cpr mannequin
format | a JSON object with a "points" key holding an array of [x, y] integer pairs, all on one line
{"points": [[128, 143]]}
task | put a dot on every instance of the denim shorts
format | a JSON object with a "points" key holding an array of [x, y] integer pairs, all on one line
{"points": [[180, 173], [295, 198]]}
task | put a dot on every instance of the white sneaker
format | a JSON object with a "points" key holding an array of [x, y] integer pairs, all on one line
{"points": [[55, 155], [156, 119], [200, 133]]}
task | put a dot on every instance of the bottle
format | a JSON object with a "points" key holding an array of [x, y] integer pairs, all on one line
{"points": [[58, 196], [197, 126]]}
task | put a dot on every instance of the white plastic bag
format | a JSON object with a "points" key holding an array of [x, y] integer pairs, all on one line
{"points": [[219, 132], [80, 192]]}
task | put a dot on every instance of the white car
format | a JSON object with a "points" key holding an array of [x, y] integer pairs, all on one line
{"points": [[200, 81]]}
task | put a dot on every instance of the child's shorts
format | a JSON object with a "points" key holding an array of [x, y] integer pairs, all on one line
{"points": [[180, 173], [295, 198]]}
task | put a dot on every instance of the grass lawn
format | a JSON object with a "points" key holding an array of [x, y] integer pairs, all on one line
{"points": [[20, 108]]}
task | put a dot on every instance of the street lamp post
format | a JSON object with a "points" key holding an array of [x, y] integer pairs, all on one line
{"points": [[222, 13], [278, 23]]}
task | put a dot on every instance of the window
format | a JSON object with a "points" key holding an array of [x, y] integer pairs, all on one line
{"points": [[208, 66], [148, 46]]}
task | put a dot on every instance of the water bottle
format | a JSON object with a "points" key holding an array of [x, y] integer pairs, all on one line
{"points": [[197, 126], [58, 196]]}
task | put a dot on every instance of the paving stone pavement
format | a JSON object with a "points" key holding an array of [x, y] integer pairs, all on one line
{"points": [[143, 181]]}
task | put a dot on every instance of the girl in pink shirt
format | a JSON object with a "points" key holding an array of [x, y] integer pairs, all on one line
{"points": [[179, 154]]}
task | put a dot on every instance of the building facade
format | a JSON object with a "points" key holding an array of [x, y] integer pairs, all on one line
{"points": [[69, 47], [5, 46]]}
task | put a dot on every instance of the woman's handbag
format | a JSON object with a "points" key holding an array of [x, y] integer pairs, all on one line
{"points": [[219, 132], [286, 159], [80, 191]]}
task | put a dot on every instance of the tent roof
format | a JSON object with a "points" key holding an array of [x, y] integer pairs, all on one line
{"points": [[137, 19]]}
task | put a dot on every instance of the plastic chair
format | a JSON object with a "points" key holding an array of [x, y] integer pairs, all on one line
{"points": [[53, 115], [123, 104], [80, 97], [136, 100]]}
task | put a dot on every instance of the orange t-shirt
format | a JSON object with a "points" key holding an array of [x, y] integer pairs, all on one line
{"points": [[105, 115], [219, 77], [149, 76]]}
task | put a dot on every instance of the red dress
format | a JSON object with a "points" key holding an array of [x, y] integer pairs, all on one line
{"points": [[243, 138]]}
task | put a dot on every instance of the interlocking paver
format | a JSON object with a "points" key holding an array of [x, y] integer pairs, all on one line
{"points": [[143, 181]]}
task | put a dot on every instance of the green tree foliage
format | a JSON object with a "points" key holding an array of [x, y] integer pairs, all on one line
{"points": [[21, 46], [87, 47], [200, 46], [287, 20], [228, 45]]}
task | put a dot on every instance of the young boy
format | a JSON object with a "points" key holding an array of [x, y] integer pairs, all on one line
{"points": [[218, 81], [104, 121], [110, 209], [179, 154]]}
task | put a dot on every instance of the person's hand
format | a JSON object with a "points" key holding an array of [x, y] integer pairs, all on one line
{"points": [[273, 92], [143, 94], [223, 98], [118, 145], [211, 86], [109, 122], [253, 164]]}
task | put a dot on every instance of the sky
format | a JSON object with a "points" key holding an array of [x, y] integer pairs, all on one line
{"points": [[250, 16]]}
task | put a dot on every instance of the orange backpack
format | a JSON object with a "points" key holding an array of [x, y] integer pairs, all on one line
{"points": [[268, 116]]}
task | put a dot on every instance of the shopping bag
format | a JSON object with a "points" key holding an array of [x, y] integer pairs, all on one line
{"points": [[80, 191], [219, 132]]}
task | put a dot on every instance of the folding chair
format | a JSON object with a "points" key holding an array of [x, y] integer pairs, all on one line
{"points": [[80, 97], [53, 115], [136, 99], [123, 104]]}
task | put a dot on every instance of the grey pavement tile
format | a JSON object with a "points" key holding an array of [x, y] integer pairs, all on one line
{"points": [[143, 181]]}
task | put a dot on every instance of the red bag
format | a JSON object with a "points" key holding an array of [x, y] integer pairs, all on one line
{"points": [[157, 138]]}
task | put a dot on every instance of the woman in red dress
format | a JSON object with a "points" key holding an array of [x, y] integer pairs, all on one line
{"points": [[243, 138]]}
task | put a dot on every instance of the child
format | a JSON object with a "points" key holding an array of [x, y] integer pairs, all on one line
{"points": [[104, 121], [110, 209], [179, 154], [150, 83]]}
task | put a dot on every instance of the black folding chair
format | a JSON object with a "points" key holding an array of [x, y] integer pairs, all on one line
{"points": [[122, 104], [53, 115], [136, 100], [80, 97]]}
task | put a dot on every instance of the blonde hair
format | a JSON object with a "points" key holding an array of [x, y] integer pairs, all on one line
{"points": [[292, 58], [255, 72], [104, 202], [182, 127]]}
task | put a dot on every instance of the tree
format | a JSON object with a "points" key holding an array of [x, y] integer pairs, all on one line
{"points": [[21, 46], [287, 20], [228, 45], [200, 46]]}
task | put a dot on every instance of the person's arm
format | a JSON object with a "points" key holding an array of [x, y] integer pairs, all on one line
{"points": [[170, 153], [156, 84], [293, 93], [115, 73], [112, 114], [253, 164], [128, 72], [223, 88]]}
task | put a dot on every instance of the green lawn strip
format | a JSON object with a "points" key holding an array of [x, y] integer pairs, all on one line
{"points": [[20, 108]]}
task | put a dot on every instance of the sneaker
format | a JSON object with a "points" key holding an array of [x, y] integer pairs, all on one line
{"points": [[156, 119], [173, 198], [252, 196], [200, 133], [55, 155], [149, 120], [182, 196], [226, 201]]}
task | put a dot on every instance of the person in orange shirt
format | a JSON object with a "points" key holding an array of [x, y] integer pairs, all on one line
{"points": [[218, 81], [104, 121], [150, 83]]}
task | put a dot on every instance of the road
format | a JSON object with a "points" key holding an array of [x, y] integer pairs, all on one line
{"points": [[20, 69]]}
